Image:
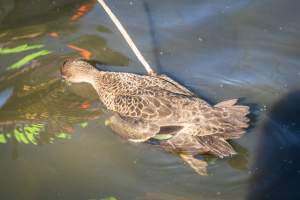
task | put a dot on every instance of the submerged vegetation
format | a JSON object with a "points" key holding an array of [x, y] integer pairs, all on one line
{"points": [[30, 134], [34, 110], [25, 60], [44, 120]]}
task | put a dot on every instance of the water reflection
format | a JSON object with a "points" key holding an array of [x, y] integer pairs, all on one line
{"points": [[122, 129], [241, 160], [43, 112], [276, 171]]}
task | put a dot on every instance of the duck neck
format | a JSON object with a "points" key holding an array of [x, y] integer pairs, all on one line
{"points": [[95, 78], [104, 83]]}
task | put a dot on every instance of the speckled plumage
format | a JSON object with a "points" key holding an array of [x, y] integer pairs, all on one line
{"points": [[144, 105]]}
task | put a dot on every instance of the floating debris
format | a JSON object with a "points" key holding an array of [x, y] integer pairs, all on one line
{"points": [[85, 53], [53, 34], [82, 11], [85, 105]]}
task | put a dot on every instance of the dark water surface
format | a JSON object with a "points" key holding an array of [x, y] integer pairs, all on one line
{"points": [[53, 140]]}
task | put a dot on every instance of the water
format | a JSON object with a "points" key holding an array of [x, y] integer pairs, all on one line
{"points": [[220, 49]]}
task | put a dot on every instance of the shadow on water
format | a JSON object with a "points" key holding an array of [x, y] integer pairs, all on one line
{"points": [[276, 171], [153, 35]]}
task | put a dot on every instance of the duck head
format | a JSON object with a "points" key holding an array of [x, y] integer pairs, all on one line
{"points": [[77, 71]]}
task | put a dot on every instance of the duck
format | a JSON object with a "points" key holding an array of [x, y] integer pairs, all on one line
{"points": [[144, 107]]}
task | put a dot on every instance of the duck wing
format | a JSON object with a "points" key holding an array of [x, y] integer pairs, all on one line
{"points": [[148, 104], [189, 141], [155, 104], [173, 86], [129, 83], [133, 130]]}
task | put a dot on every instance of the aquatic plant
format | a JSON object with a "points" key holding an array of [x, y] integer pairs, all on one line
{"points": [[25, 47], [30, 134], [21, 48], [28, 58]]}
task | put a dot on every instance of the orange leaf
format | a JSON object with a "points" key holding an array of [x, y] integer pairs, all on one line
{"points": [[54, 34], [85, 105], [82, 10], [84, 53]]}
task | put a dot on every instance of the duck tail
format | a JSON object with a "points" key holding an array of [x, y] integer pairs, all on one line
{"points": [[216, 146], [234, 120]]}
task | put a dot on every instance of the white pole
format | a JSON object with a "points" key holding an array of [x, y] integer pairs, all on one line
{"points": [[127, 37]]}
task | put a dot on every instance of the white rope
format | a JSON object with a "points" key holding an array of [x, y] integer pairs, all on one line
{"points": [[126, 37]]}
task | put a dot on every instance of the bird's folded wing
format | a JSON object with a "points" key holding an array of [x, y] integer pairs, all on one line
{"points": [[146, 105]]}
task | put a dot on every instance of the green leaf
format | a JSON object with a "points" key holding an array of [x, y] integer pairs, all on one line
{"points": [[162, 136], [2, 138], [21, 48], [38, 125], [63, 136], [84, 124], [30, 135], [27, 59], [34, 129], [109, 198], [31, 132], [20, 137]]}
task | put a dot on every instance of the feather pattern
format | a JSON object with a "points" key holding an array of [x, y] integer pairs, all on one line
{"points": [[144, 105]]}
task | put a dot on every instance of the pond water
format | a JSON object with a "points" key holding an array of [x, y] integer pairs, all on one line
{"points": [[53, 140]]}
